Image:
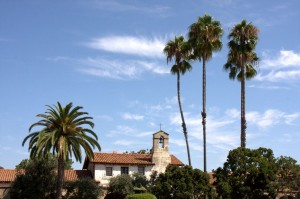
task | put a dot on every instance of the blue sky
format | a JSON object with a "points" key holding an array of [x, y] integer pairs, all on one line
{"points": [[107, 57]]}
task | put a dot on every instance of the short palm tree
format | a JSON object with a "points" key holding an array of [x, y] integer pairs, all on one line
{"points": [[65, 130], [205, 38], [177, 49], [241, 62]]}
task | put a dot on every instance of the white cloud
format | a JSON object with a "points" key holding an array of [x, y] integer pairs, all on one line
{"points": [[271, 117], [123, 130], [284, 66], [275, 76], [130, 45], [286, 58], [178, 142], [129, 116], [115, 69], [115, 6], [123, 142], [233, 113]]}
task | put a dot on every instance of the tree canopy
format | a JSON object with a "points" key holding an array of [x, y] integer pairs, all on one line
{"points": [[247, 174], [182, 183], [39, 174]]}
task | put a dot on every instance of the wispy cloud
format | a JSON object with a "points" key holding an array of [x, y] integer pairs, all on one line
{"points": [[140, 46], [284, 66], [130, 116], [271, 117], [122, 130], [117, 6], [123, 142], [116, 69]]}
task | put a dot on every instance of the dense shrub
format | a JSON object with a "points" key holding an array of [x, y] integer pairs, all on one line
{"points": [[83, 189], [139, 180], [181, 183], [40, 175], [120, 186], [141, 196]]}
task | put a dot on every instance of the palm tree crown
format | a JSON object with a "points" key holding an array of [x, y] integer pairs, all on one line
{"points": [[63, 133], [205, 37], [242, 59], [241, 62]]}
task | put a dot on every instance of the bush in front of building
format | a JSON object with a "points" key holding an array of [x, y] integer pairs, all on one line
{"points": [[141, 196], [120, 186], [83, 189]]}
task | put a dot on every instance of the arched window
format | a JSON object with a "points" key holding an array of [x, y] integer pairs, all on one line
{"points": [[161, 142]]}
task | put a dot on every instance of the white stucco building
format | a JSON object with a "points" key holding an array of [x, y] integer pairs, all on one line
{"points": [[106, 165]]}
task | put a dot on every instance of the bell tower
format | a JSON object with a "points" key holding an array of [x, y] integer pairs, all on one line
{"points": [[160, 151]]}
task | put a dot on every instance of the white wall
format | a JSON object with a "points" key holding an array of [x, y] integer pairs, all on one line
{"points": [[100, 172]]}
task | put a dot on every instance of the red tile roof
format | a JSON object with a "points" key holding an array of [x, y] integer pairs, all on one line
{"points": [[73, 175], [8, 175], [132, 159]]}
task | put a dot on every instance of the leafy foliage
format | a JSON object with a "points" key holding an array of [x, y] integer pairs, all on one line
{"points": [[141, 196], [182, 183], [67, 164], [139, 180], [83, 189], [37, 182], [288, 175], [120, 186], [247, 174]]}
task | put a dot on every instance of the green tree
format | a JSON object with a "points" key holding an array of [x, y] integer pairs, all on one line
{"points": [[65, 130], [241, 62], [120, 186], [182, 183], [67, 164], [37, 182], [177, 49], [288, 175], [247, 174], [205, 38], [83, 189]]}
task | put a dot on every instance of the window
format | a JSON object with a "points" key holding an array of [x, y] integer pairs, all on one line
{"points": [[108, 171], [161, 142], [141, 170], [124, 170]]}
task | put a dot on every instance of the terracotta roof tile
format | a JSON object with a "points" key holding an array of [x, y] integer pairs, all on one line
{"points": [[8, 175], [73, 175], [132, 159]]}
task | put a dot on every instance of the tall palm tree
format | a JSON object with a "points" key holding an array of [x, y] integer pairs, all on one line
{"points": [[241, 62], [205, 38], [177, 49], [65, 130]]}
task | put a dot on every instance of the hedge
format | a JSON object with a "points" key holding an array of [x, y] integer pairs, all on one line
{"points": [[141, 196]]}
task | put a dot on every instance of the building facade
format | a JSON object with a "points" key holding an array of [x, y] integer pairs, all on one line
{"points": [[107, 165]]}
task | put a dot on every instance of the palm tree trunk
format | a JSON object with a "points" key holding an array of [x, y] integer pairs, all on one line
{"points": [[203, 113], [243, 110], [183, 121], [60, 174]]}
